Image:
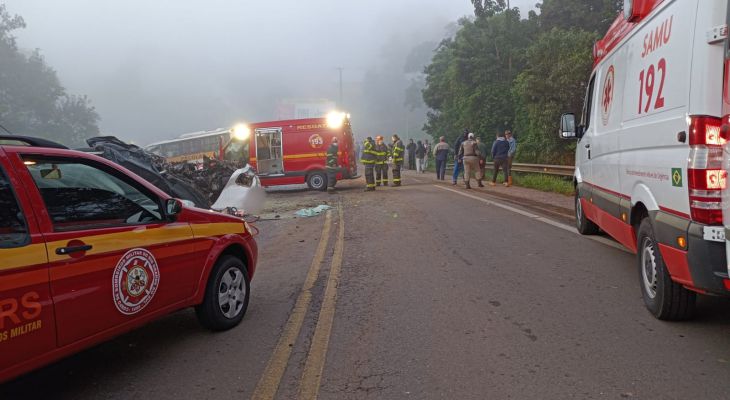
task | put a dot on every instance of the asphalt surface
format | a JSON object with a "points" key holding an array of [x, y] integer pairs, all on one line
{"points": [[417, 292]]}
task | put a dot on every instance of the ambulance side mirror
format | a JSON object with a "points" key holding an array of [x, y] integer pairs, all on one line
{"points": [[567, 126]]}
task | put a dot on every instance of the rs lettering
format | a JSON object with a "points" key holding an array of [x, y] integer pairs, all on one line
{"points": [[30, 301], [28, 308]]}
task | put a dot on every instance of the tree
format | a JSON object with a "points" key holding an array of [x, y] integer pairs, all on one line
{"points": [[32, 100], [588, 15], [553, 82], [487, 8]]}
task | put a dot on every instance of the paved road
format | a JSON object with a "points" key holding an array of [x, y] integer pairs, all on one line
{"points": [[421, 292]]}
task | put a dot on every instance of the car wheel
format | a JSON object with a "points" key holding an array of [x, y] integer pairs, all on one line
{"points": [[226, 295], [584, 225], [665, 299], [317, 181]]}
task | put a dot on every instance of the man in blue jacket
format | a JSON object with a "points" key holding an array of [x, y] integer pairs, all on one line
{"points": [[458, 161], [500, 155]]}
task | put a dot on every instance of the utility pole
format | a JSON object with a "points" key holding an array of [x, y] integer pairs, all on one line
{"points": [[340, 103]]}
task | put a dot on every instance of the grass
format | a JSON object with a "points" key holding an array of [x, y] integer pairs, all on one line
{"points": [[545, 183]]}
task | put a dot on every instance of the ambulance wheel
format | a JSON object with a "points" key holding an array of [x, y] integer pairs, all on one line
{"points": [[226, 295], [317, 181], [584, 225], [665, 299]]}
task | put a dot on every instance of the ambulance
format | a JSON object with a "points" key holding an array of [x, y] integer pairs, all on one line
{"points": [[650, 141], [294, 151]]}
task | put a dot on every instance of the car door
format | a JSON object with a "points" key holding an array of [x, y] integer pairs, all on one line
{"points": [[583, 150], [114, 258], [27, 328]]}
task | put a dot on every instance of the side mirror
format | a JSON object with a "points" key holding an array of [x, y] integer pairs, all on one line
{"points": [[567, 126], [173, 207]]}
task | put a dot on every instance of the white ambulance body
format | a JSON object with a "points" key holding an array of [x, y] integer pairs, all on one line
{"points": [[649, 154]]}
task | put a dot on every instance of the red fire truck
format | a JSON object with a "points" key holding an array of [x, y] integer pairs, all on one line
{"points": [[294, 151]]}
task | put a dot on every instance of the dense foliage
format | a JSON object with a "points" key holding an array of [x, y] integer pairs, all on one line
{"points": [[32, 100], [502, 71]]}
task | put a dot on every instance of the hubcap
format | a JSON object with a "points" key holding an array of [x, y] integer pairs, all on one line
{"points": [[317, 181], [231, 293], [649, 268], [578, 211]]}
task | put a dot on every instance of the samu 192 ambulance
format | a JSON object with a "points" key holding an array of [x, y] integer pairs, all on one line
{"points": [[649, 155]]}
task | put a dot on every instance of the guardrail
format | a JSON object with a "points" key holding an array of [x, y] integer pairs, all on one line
{"points": [[558, 170]]}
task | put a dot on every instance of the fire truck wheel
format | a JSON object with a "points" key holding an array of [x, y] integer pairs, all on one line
{"points": [[226, 295], [584, 225], [317, 181], [665, 299]]}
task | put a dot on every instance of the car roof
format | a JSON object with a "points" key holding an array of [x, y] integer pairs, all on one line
{"points": [[30, 141]]}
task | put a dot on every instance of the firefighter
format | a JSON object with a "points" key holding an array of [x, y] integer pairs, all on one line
{"points": [[381, 163], [398, 150], [332, 166], [368, 159]]}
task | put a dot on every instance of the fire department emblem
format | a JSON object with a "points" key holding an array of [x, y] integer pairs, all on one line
{"points": [[135, 281], [316, 141], [608, 89]]}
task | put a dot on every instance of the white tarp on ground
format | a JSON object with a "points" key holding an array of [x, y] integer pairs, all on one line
{"points": [[243, 192]]}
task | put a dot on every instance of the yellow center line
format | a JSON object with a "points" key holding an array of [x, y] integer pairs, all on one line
{"points": [[268, 385], [312, 375]]}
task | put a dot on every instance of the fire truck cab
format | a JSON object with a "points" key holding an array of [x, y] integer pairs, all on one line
{"points": [[294, 151], [649, 155]]}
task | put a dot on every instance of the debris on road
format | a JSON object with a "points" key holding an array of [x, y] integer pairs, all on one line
{"points": [[243, 192], [312, 212]]}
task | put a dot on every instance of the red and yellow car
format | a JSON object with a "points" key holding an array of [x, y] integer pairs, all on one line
{"points": [[89, 250]]}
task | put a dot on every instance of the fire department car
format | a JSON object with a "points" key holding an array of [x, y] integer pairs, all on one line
{"points": [[649, 155], [88, 250], [294, 151]]}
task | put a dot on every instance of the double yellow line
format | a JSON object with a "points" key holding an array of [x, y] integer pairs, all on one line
{"points": [[311, 377]]}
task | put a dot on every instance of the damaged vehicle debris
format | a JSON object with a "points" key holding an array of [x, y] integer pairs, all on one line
{"points": [[215, 184]]}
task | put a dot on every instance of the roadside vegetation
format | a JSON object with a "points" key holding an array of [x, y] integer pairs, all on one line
{"points": [[504, 70], [32, 99]]}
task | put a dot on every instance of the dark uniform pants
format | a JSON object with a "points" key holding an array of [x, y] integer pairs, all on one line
{"points": [[370, 176], [381, 174], [332, 176], [396, 173]]}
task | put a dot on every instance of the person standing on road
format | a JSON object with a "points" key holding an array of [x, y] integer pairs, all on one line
{"points": [[441, 154], [469, 152], [398, 150], [500, 152], [511, 154], [332, 167], [420, 153], [381, 166], [458, 162], [369, 157], [483, 154], [426, 154], [411, 148]]}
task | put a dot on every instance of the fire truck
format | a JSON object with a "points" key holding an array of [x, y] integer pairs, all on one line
{"points": [[649, 156], [294, 151]]}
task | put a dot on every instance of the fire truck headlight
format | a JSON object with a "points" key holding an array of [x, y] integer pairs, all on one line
{"points": [[336, 119], [241, 132]]}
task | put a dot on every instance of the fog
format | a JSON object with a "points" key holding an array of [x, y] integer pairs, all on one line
{"points": [[157, 69]]}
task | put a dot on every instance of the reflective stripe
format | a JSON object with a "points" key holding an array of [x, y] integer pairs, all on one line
{"points": [[371, 185]]}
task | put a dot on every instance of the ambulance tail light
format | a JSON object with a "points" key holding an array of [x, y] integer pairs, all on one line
{"points": [[705, 176]]}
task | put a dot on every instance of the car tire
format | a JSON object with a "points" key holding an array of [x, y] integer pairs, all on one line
{"points": [[226, 295], [665, 299], [584, 225], [317, 181]]}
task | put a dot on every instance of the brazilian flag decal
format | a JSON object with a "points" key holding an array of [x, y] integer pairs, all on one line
{"points": [[677, 177]]}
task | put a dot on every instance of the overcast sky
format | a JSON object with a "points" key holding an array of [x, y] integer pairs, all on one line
{"points": [[156, 69]]}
